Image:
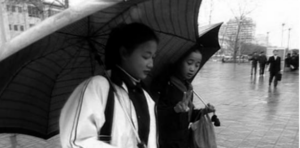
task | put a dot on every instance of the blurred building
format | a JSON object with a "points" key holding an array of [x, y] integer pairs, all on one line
{"points": [[19, 15], [246, 31], [245, 28]]}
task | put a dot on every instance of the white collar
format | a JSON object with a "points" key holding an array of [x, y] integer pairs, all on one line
{"points": [[134, 80]]}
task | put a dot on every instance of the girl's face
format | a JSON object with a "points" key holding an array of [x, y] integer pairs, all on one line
{"points": [[190, 65], [140, 62]]}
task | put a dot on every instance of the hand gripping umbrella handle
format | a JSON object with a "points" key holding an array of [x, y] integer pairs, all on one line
{"points": [[214, 117]]}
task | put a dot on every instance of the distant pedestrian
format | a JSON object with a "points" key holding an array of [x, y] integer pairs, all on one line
{"points": [[288, 60], [274, 63], [262, 59], [294, 62], [223, 60], [254, 60]]}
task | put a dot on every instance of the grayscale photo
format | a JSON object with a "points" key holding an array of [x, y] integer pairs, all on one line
{"points": [[149, 73]]}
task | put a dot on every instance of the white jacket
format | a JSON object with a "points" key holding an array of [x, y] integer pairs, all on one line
{"points": [[83, 116]]}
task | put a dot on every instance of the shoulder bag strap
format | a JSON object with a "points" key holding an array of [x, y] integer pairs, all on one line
{"points": [[105, 132]]}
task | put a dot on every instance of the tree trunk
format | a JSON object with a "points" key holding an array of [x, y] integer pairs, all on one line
{"points": [[235, 49]]}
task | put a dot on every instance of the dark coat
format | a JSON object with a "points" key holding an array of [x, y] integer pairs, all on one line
{"points": [[262, 59], [254, 60], [275, 65], [172, 126]]}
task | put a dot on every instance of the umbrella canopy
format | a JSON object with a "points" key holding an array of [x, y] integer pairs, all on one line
{"points": [[209, 39], [37, 79]]}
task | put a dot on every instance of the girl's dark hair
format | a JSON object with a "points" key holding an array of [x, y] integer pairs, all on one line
{"points": [[195, 48], [128, 36]]}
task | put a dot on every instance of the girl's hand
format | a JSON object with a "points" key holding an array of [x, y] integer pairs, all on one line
{"points": [[209, 108], [181, 106]]}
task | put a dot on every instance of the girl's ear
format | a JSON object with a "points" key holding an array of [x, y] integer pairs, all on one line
{"points": [[123, 53]]}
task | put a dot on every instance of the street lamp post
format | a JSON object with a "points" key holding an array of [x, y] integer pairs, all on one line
{"points": [[288, 44], [268, 39], [282, 34]]}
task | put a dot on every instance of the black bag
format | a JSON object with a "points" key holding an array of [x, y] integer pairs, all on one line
{"points": [[278, 76]]}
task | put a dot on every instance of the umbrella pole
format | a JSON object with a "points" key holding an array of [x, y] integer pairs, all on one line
{"points": [[214, 118], [200, 98]]}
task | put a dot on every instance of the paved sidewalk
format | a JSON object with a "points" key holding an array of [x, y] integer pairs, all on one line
{"points": [[252, 114]]}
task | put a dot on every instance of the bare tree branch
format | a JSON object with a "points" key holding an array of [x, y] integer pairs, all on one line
{"points": [[241, 11]]}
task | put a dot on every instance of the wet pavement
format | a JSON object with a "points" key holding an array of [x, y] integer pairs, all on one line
{"points": [[252, 114]]}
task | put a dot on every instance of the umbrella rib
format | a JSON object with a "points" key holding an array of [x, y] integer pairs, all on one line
{"points": [[186, 20], [20, 70], [49, 106], [100, 44], [23, 102], [145, 12], [112, 20], [164, 45], [69, 34], [72, 56], [11, 118], [13, 77], [31, 87], [93, 66], [45, 65], [30, 77], [163, 20], [171, 34], [178, 53], [100, 35], [154, 14], [170, 12], [179, 26], [196, 18]]}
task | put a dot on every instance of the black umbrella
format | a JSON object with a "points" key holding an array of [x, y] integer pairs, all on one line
{"points": [[36, 81]]}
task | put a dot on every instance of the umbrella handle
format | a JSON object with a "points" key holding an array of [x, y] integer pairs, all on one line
{"points": [[200, 98]]}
